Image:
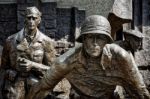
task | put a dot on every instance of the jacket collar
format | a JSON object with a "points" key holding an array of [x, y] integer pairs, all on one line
{"points": [[83, 59], [20, 36]]}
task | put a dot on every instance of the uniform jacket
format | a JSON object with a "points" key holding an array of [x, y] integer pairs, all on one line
{"points": [[39, 50], [98, 79]]}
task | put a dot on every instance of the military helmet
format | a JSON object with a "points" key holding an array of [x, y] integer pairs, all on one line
{"points": [[95, 24], [134, 33]]}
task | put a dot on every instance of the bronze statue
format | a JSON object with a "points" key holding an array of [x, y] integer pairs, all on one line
{"points": [[95, 67], [25, 57], [133, 40], [131, 43], [120, 13]]}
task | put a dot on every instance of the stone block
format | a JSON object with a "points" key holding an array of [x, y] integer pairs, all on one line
{"points": [[20, 16], [49, 5], [20, 25], [1, 27], [10, 27], [8, 11], [32, 1], [48, 8], [50, 24], [80, 16], [21, 7], [49, 16], [49, 11], [63, 11], [42, 27], [50, 33], [21, 1]]}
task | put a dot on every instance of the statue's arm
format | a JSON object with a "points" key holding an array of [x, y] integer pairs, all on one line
{"points": [[6, 69], [61, 67], [48, 58], [5, 60], [134, 82]]}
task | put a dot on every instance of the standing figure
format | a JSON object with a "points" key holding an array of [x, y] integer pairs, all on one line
{"points": [[131, 43], [26, 56], [95, 67]]}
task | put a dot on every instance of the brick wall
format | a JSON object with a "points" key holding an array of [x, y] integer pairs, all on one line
{"points": [[8, 21], [56, 22]]}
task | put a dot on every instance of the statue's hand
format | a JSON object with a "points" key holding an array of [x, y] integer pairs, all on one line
{"points": [[24, 65]]}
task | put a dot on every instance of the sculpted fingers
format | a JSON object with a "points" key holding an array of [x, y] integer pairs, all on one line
{"points": [[24, 64]]}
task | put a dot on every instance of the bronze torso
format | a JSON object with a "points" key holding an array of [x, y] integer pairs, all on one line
{"points": [[89, 78], [99, 79], [39, 50]]}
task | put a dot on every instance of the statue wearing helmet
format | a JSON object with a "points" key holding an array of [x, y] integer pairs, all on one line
{"points": [[132, 42], [95, 67]]}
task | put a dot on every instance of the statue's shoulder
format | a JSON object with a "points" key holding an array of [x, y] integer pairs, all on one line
{"points": [[116, 50], [16, 36], [71, 55], [45, 38], [113, 46], [13, 36]]}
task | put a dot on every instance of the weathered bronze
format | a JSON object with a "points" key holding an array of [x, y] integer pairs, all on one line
{"points": [[120, 13], [25, 57], [132, 42], [94, 68]]}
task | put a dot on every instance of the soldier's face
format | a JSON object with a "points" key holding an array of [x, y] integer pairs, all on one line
{"points": [[32, 22], [94, 43], [136, 43]]}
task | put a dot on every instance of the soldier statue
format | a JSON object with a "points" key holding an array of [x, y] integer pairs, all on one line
{"points": [[132, 42], [95, 67], [25, 57]]}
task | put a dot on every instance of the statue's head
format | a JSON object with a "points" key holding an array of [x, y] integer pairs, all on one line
{"points": [[32, 18], [134, 39], [95, 33]]}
